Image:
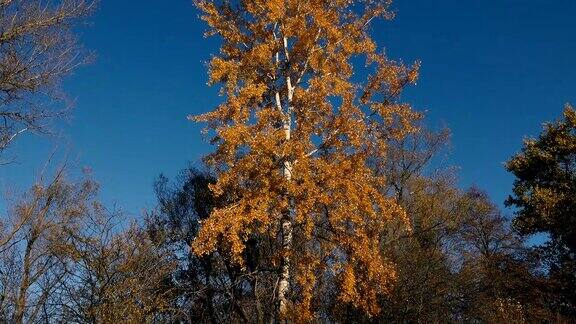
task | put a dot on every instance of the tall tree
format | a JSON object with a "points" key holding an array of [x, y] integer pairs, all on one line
{"points": [[294, 138], [37, 49], [545, 195]]}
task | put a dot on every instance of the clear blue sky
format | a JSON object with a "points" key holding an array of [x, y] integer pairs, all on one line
{"points": [[492, 71]]}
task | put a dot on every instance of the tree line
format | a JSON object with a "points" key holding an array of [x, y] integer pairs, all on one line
{"points": [[320, 202]]}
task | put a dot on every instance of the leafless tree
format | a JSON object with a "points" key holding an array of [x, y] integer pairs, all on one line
{"points": [[31, 240], [64, 257], [113, 274], [37, 49]]}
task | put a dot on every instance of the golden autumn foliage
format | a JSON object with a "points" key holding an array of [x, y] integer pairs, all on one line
{"points": [[325, 199], [294, 136]]}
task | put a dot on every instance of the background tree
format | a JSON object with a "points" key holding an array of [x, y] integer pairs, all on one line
{"points": [[210, 288], [37, 49], [114, 273], [545, 195], [294, 137], [461, 252], [31, 240], [64, 257], [498, 277], [430, 198]]}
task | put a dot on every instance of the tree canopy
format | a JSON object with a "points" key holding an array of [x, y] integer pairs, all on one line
{"points": [[326, 197], [545, 197]]}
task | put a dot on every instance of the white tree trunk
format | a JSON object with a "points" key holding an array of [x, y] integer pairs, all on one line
{"points": [[284, 282]]}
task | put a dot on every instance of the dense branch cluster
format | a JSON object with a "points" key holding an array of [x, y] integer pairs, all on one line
{"points": [[37, 49]]}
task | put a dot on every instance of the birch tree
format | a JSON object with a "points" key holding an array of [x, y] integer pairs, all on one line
{"points": [[294, 136]]}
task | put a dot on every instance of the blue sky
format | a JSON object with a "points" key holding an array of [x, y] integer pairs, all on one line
{"points": [[492, 71]]}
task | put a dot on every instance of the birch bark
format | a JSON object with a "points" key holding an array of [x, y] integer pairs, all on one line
{"points": [[284, 282]]}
